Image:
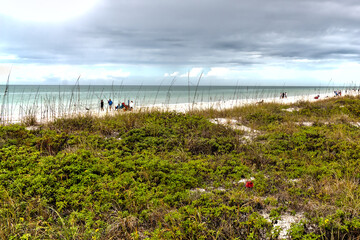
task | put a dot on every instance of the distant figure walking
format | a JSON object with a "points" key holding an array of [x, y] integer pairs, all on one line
{"points": [[110, 104], [102, 105], [131, 105]]}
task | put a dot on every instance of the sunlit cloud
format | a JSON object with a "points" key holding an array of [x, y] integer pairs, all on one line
{"points": [[194, 72], [7, 57], [45, 10], [174, 74]]}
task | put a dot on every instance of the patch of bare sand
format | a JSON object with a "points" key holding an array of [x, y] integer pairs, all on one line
{"points": [[250, 133], [285, 222]]}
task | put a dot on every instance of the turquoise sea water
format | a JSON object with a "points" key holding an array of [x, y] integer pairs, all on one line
{"points": [[51, 100]]}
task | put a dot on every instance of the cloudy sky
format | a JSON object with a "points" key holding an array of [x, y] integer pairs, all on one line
{"points": [[229, 42]]}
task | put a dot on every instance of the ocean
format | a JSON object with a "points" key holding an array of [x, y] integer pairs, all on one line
{"points": [[49, 101]]}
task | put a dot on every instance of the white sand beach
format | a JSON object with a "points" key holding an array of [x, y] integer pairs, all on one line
{"points": [[179, 107], [235, 103]]}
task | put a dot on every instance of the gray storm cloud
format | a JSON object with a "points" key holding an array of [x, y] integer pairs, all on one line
{"points": [[190, 33]]}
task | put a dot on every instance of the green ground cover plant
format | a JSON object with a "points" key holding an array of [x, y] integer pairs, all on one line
{"points": [[168, 175]]}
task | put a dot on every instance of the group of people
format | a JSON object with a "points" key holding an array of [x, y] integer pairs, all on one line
{"points": [[283, 95], [123, 106], [354, 91], [337, 93]]}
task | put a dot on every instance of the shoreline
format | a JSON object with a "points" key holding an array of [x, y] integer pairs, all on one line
{"points": [[178, 107], [228, 104]]}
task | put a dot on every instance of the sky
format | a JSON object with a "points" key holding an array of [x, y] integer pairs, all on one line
{"points": [[152, 42]]}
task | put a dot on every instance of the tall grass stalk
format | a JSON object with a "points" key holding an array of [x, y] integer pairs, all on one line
{"points": [[188, 78], [5, 100], [168, 94], [197, 85], [157, 92], [72, 95]]}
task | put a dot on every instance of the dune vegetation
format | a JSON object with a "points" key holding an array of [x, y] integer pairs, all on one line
{"points": [[244, 173]]}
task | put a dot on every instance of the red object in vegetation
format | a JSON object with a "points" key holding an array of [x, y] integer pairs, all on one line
{"points": [[249, 184]]}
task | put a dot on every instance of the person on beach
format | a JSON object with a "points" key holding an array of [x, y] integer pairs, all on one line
{"points": [[122, 106], [285, 94], [131, 105], [110, 104], [102, 105]]}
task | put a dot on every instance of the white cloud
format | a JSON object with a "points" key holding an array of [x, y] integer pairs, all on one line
{"points": [[46, 11], [194, 72], [4, 70], [103, 73], [174, 74], [299, 73], [341, 74], [8, 57], [218, 72], [346, 73]]}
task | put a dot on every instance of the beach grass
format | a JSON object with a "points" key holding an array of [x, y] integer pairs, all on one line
{"points": [[170, 175], [47, 103]]}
